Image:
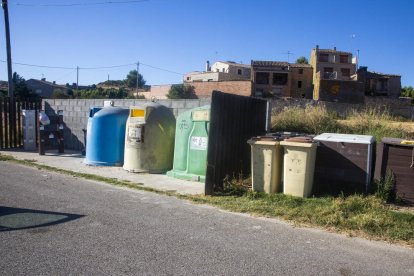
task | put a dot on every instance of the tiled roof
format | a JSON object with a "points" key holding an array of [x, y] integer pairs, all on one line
{"points": [[279, 64], [377, 74]]}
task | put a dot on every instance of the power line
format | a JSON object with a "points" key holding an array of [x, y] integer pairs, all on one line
{"points": [[41, 66], [81, 4], [107, 67], [93, 68], [161, 69]]}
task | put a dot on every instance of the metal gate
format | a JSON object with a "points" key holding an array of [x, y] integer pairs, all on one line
{"points": [[234, 119], [11, 132]]}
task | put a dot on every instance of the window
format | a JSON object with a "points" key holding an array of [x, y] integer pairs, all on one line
{"points": [[328, 69], [343, 58], [328, 73], [239, 71], [323, 57], [299, 84], [262, 78], [188, 78], [346, 72], [280, 78], [300, 71]]}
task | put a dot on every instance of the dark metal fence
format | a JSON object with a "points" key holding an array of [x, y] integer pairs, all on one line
{"points": [[11, 131], [233, 120]]}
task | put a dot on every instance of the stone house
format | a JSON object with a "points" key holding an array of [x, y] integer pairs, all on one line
{"points": [[332, 64], [281, 79], [379, 84]]}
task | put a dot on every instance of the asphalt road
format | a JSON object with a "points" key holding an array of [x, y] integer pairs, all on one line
{"points": [[58, 225]]}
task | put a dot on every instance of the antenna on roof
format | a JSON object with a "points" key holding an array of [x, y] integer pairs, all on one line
{"points": [[288, 53]]}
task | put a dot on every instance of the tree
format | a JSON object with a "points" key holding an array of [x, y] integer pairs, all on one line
{"points": [[20, 88], [131, 79], [181, 91], [302, 60]]}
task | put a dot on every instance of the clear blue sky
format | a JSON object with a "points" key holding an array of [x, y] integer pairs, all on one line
{"points": [[180, 35]]}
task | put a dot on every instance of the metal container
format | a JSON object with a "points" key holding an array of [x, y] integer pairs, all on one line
{"points": [[344, 163], [106, 136], [149, 139], [397, 156], [191, 138], [299, 165], [29, 130]]}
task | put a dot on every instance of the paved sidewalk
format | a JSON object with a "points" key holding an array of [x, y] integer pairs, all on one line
{"points": [[73, 160]]}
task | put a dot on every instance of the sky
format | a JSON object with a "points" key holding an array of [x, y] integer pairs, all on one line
{"points": [[179, 36]]}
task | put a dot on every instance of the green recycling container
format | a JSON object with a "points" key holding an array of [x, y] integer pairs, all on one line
{"points": [[191, 139]]}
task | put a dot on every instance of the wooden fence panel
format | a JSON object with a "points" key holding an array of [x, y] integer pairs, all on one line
{"points": [[234, 120], [11, 129]]}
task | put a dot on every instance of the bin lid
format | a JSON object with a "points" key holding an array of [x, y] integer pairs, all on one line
{"points": [[265, 140], [398, 142], [300, 139], [345, 138]]}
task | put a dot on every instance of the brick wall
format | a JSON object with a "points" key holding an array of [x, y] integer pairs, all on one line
{"points": [[205, 89]]}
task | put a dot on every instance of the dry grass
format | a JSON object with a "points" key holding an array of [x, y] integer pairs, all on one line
{"points": [[317, 119]]}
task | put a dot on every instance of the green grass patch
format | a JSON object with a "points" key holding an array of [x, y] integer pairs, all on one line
{"points": [[366, 216]]}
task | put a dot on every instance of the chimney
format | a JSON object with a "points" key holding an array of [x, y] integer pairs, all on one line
{"points": [[43, 79], [208, 68], [335, 48], [317, 47], [54, 82]]}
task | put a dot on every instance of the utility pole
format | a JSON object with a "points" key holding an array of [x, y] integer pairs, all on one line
{"points": [[9, 62], [136, 92], [137, 75], [77, 78], [357, 60]]}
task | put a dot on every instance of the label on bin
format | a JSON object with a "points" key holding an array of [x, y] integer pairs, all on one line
{"points": [[198, 143], [135, 133], [201, 115]]}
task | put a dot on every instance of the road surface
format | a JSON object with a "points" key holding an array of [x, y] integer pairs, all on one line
{"points": [[53, 224]]}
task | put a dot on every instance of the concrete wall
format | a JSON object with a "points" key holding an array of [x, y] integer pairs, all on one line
{"points": [[76, 113]]}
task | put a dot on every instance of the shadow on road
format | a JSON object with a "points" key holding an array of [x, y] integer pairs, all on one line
{"points": [[17, 219]]}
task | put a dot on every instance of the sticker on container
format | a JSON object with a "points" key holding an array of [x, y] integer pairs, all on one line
{"points": [[198, 143], [136, 133], [201, 115]]}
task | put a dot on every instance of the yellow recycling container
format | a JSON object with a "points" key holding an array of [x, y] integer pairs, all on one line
{"points": [[266, 162], [149, 139], [299, 166]]}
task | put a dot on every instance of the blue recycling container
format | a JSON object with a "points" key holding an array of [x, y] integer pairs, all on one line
{"points": [[106, 136]]}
